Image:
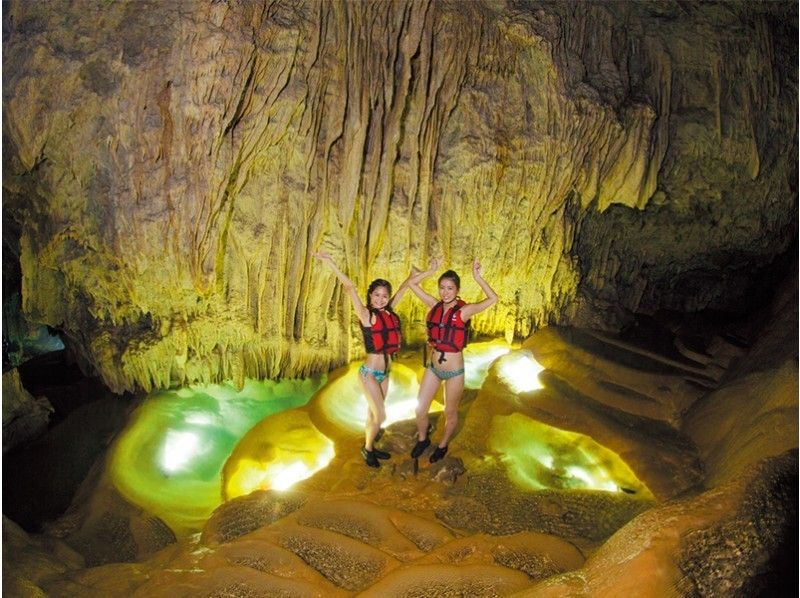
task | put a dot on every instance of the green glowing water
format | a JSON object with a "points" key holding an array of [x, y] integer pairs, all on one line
{"points": [[538, 457], [169, 458]]}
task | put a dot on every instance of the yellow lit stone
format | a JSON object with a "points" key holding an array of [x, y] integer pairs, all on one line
{"points": [[277, 453]]}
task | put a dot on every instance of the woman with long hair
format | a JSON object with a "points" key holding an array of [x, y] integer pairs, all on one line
{"points": [[382, 339], [448, 333]]}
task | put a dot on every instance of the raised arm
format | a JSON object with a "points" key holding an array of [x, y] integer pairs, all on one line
{"points": [[361, 311], [415, 279], [403, 288], [471, 309]]}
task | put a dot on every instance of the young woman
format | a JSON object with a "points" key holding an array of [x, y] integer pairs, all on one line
{"points": [[448, 329], [382, 338]]}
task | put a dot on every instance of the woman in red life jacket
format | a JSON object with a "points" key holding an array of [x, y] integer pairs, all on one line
{"points": [[381, 328], [448, 330]]}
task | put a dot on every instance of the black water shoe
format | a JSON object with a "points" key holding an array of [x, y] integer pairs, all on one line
{"points": [[438, 454], [381, 454], [370, 457], [420, 447]]}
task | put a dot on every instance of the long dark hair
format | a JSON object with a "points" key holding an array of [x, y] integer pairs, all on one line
{"points": [[379, 282], [450, 274]]}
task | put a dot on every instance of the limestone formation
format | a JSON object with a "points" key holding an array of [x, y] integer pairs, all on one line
{"points": [[24, 417], [170, 166]]}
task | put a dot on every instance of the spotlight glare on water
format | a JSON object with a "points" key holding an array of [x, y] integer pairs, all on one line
{"points": [[538, 456], [287, 475], [399, 410], [520, 371], [179, 449], [477, 359], [342, 401], [199, 419]]}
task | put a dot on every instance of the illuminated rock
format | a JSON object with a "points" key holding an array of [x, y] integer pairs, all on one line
{"points": [[232, 581], [464, 580], [537, 555], [424, 533], [365, 522], [347, 563], [754, 415], [576, 429], [712, 543], [601, 159], [277, 453], [627, 156], [427, 550], [244, 514], [622, 375]]}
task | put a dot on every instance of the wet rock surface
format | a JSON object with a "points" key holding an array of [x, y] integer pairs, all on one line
{"points": [[243, 515]]}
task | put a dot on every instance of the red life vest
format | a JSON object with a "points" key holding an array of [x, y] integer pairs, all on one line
{"points": [[447, 332], [384, 334]]}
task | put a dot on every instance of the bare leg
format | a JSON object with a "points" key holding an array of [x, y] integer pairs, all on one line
{"points": [[453, 389], [385, 391], [376, 413], [370, 429], [427, 389]]}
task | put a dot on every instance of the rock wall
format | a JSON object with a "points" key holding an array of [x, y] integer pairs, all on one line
{"points": [[171, 167], [24, 417]]}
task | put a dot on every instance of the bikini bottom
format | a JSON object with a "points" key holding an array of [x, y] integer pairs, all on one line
{"points": [[379, 375], [446, 374]]}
